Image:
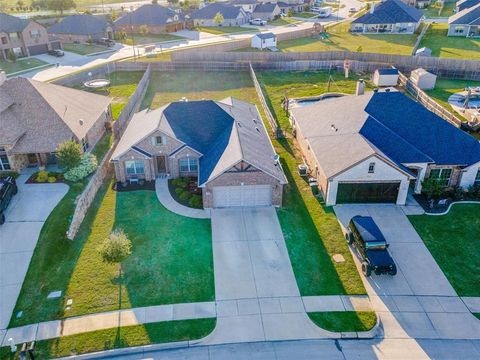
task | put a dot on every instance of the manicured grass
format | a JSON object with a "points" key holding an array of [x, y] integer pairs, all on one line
{"points": [[313, 235], [115, 338], [84, 49], [122, 85], [297, 84], [477, 315], [450, 47], [142, 39], [453, 241], [166, 87], [433, 10], [21, 64], [171, 261], [345, 321], [445, 88], [282, 21], [221, 30], [305, 15], [340, 39], [102, 146]]}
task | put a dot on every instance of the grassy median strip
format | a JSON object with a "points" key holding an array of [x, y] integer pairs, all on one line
{"points": [[344, 321], [154, 333], [453, 241]]}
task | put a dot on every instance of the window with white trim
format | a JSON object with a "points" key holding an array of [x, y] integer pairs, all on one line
{"points": [[159, 140], [476, 182], [188, 164], [4, 163], [371, 168], [442, 176], [34, 34], [135, 167]]}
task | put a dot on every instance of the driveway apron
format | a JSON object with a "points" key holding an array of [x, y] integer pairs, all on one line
{"points": [[255, 287], [25, 217]]}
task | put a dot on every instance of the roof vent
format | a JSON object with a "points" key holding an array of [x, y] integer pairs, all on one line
{"points": [[375, 90], [387, 90], [254, 120], [239, 124], [184, 99], [256, 128], [333, 127], [80, 122]]}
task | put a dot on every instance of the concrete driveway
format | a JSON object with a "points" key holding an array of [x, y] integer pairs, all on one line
{"points": [[418, 302], [25, 217]]}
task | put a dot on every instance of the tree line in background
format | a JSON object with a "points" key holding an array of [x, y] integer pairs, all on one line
{"points": [[37, 5]]}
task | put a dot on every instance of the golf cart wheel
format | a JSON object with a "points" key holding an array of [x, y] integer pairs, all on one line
{"points": [[393, 272], [15, 191], [2, 219], [366, 270], [349, 237]]}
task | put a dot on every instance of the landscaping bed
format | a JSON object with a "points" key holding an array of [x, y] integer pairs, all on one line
{"points": [[185, 191], [453, 241], [116, 338], [344, 321], [127, 186], [42, 177]]}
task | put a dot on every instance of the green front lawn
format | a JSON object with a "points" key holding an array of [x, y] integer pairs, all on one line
{"points": [[153, 333], [340, 39], [171, 260], [282, 21], [296, 84], [445, 88], [143, 39], [433, 11], [84, 49], [102, 146], [305, 15], [344, 321], [221, 30], [20, 65], [450, 47], [454, 240]]}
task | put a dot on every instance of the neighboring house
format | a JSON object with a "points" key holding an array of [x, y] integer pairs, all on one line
{"points": [[380, 146], [157, 18], [247, 5], [82, 28], [264, 41], [23, 37], [232, 15], [35, 117], [222, 143], [421, 4], [294, 5], [391, 16], [465, 4], [465, 23], [266, 11]]}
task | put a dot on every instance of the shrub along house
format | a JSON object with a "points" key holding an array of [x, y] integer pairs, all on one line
{"points": [[23, 37], [156, 18], [391, 16], [36, 117], [379, 146], [81, 28], [222, 143]]}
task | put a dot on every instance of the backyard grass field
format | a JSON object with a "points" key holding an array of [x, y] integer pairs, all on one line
{"points": [[433, 11], [171, 261], [20, 65], [340, 39], [345, 321], [84, 49], [450, 47], [453, 240], [143, 39], [153, 333]]}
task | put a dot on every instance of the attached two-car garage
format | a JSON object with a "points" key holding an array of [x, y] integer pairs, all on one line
{"points": [[242, 196], [368, 192]]}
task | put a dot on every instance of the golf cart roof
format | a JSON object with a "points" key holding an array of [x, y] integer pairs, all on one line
{"points": [[367, 228]]}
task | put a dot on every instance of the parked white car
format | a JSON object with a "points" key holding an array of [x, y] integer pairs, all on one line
{"points": [[325, 11], [258, 22]]}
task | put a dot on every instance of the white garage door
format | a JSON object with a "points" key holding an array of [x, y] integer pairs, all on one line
{"points": [[247, 195]]}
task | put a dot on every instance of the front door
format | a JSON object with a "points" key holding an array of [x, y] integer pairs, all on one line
{"points": [[32, 160], [161, 165]]}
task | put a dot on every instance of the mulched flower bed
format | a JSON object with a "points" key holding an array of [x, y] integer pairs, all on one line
{"points": [[125, 187], [33, 179], [434, 207], [185, 191]]}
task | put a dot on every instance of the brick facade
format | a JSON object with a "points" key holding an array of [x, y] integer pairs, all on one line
{"points": [[455, 177], [32, 35]]}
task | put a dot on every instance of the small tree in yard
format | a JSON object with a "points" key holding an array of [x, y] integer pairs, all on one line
{"points": [[431, 188], [218, 19], [116, 248], [69, 154], [143, 29], [290, 13], [11, 56]]}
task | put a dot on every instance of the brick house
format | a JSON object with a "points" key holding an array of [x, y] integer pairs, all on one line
{"points": [[157, 18], [82, 28], [232, 15], [23, 37], [36, 117], [222, 143], [381, 146]]}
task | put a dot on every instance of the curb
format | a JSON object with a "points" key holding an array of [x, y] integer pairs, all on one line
{"points": [[450, 206]]}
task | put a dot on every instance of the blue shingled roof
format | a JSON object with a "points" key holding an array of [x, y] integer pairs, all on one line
{"points": [[80, 24], [407, 132], [9, 23], [149, 14], [208, 12], [388, 71], [391, 12], [465, 4], [264, 36]]}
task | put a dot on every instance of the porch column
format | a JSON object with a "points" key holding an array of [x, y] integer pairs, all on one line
{"points": [[420, 177]]}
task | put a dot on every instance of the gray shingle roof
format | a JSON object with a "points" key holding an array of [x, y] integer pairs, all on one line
{"points": [[468, 16], [243, 2], [9, 23], [264, 8], [208, 12], [265, 36], [391, 12], [80, 25], [44, 115], [149, 14]]}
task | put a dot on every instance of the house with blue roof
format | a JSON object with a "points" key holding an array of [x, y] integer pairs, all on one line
{"points": [[232, 15], [82, 28], [465, 23], [224, 144], [378, 147], [389, 17]]}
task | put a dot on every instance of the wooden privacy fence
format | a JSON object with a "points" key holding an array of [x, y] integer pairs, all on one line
{"points": [[270, 118], [422, 97], [85, 199]]}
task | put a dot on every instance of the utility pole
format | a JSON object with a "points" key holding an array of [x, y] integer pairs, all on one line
{"points": [[133, 38]]}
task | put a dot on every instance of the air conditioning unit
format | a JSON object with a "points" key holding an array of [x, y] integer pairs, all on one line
{"points": [[302, 170]]}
